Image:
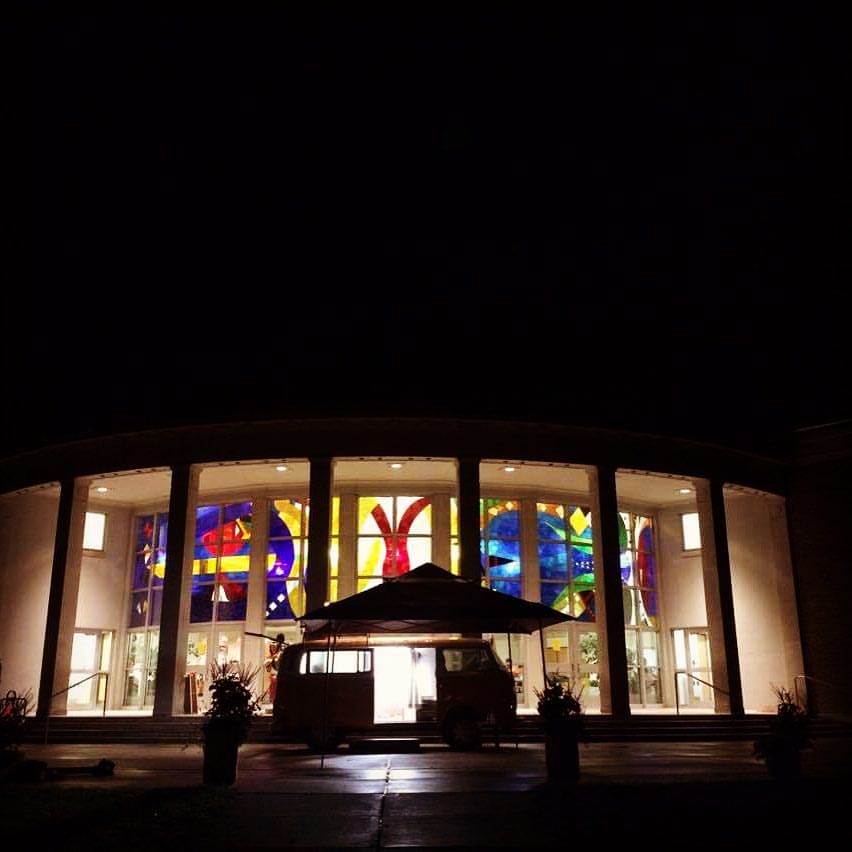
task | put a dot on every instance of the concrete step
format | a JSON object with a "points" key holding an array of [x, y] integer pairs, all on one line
{"points": [[187, 729]]}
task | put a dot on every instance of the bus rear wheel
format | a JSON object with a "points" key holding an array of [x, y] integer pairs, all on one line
{"points": [[462, 732]]}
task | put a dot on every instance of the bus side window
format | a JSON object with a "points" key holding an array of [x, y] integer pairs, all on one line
{"points": [[303, 664]]}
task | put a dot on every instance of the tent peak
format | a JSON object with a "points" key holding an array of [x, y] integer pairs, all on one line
{"points": [[428, 571]]}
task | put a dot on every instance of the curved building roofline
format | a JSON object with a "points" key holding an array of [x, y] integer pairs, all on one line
{"points": [[386, 436]]}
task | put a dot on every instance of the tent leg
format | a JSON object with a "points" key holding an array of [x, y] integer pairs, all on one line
{"points": [[325, 693], [543, 663]]}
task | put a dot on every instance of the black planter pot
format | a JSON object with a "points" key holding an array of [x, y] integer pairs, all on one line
{"points": [[562, 754], [221, 749]]}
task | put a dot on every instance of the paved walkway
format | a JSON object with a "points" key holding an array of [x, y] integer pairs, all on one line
{"points": [[663, 795]]}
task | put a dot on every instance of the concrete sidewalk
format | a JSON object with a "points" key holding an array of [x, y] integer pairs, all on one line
{"points": [[669, 795]]}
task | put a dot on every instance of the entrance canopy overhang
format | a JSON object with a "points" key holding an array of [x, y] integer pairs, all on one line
{"points": [[429, 599]]}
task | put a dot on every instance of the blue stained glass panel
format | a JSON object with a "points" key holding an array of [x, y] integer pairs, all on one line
{"points": [[278, 600], [141, 566], [553, 561], [231, 603], [582, 564], [207, 524], [144, 554], [163, 530], [201, 601], [649, 600], [507, 587], [504, 525], [236, 529], [138, 609], [627, 568], [156, 607], [285, 557], [504, 558], [551, 527], [556, 595]]}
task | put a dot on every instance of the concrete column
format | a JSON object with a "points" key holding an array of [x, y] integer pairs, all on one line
{"points": [[531, 590], [615, 694], [718, 597], [470, 566], [62, 600], [440, 530], [255, 648], [787, 602], [530, 581], [347, 552], [319, 531], [171, 657]]}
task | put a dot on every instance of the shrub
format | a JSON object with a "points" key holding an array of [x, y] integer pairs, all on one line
{"points": [[232, 703]]}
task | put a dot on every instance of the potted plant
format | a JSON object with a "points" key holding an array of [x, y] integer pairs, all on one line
{"points": [[13, 713], [561, 713], [789, 733], [228, 719]]}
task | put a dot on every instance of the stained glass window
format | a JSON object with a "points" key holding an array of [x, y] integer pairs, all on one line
{"points": [[638, 570], [500, 544], [565, 558], [394, 536], [334, 551], [148, 570], [220, 567], [455, 547], [286, 558]]}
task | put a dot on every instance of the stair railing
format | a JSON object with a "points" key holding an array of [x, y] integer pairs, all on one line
{"points": [[104, 675], [805, 678], [706, 683]]}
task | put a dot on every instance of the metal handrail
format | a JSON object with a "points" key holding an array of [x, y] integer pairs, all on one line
{"points": [[694, 677], [804, 677], [67, 688]]}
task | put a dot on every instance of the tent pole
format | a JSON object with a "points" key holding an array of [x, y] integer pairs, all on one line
{"points": [[325, 693], [543, 663]]}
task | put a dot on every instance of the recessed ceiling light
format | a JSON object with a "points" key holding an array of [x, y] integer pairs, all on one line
{"points": [[102, 489], [509, 469], [281, 468], [684, 491], [395, 465]]}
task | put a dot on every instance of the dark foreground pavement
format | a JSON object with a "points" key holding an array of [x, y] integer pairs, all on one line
{"points": [[655, 795]]}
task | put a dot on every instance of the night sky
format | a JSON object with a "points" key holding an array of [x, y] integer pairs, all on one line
{"points": [[639, 222]]}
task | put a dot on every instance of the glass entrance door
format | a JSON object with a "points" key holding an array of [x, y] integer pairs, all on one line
{"points": [[91, 651], [643, 666], [692, 666], [572, 654]]}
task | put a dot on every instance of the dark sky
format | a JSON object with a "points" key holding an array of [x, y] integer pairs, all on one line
{"points": [[639, 222]]}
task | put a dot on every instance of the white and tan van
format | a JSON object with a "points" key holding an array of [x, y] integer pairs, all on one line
{"points": [[458, 683]]}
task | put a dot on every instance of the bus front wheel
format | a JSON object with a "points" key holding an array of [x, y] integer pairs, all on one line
{"points": [[462, 732]]}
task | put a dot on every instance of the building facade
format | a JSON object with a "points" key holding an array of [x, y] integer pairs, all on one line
{"points": [[131, 563]]}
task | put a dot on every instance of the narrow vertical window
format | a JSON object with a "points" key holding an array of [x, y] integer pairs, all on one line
{"points": [[691, 531], [94, 531]]}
